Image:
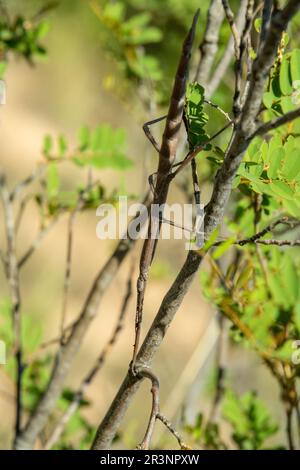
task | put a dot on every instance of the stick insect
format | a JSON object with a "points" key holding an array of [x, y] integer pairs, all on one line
{"points": [[167, 153]]}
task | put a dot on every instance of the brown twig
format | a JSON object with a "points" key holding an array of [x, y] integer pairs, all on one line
{"points": [[67, 277], [173, 431], [289, 430], [267, 229], [144, 372]]}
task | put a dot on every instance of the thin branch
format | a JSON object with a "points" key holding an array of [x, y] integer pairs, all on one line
{"points": [[235, 34], [22, 208], [144, 372], [224, 63], [72, 408], [12, 272], [67, 278], [170, 427], [267, 229], [209, 45], [266, 18], [214, 105], [39, 239], [244, 47], [273, 241], [289, 431], [275, 123], [20, 187]]}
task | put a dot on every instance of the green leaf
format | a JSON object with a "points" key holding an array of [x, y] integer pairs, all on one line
{"points": [[290, 279], [222, 248], [114, 11], [84, 138], [52, 180], [276, 158], [285, 352], [244, 277], [62, 145], [47, 145], [257, 24], [285, 80], [3, 66], [213, 237], [291, 164], [195, 116], [295, 65], [274, 283], [282, 189], [268, 99], [287, 104], [292, 207]]}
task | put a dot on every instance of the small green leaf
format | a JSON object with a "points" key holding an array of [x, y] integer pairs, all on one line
{"points": [[290, 279], [282, 189], [257, 24], [223, 248], [295, 66], [285, 79], [62, 145], [52, 180], [268, 99], [275, 162], [291, 164], [213, 237], [84, 138], [3, 66], [47, 145]]}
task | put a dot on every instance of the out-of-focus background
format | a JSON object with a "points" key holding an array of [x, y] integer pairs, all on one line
{"points": [[80, 82]]}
